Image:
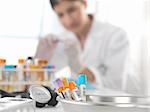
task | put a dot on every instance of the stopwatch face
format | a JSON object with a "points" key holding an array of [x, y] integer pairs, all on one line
{"points": [[39, 94]]}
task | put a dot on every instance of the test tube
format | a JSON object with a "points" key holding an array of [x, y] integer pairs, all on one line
{"points": [[74, 90], [48, 70], [9, 76], [29, 61], [33, 74], [82, 81], [66, 87], [21, 63], [21, 73], [42, 75], [60, 92], [2, 63], [60, 88], [1, 68]]}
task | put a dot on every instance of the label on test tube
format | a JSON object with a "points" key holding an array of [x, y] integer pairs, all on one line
{"points": [[74, 91], [82, 81], [66, 87]]}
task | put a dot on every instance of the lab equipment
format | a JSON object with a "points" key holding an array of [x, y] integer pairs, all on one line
{"points": [[2, 63], [61, 93], [74, 91], [60, 88], [43, 96], [28, 62], [42, 63], [21, 64], [66, 88], [82, 81], [17, 78], [47, 72]]}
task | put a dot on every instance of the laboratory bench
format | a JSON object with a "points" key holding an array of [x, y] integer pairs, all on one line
{"points": [[106, 101], [58, 108], [10, 104], [119, 102]]}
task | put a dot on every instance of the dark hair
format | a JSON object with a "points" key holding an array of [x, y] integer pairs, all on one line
{"points": [[54, 2]]}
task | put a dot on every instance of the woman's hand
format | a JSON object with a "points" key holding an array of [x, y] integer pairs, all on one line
{"points": [[46, 47], [89, 73]]}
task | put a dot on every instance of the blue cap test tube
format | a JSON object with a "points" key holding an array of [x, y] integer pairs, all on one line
{"points": [[9, 67], [48, 69], [82, 79], [82, 82], [9, 70]]}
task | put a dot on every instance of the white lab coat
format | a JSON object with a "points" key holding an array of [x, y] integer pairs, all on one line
{"points": [[105, 53]]}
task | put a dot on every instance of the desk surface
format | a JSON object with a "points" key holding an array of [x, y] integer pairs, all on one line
{"points": [[104, 92], [58, 108]]}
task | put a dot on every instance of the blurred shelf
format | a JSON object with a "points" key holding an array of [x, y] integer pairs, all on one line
{"points": [[28, 70], [26, 83]]}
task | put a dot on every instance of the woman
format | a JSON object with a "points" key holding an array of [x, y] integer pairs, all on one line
{"points": [[97, 49]]}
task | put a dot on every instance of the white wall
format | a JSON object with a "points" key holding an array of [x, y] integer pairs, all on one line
{"points": [[14, 48], [20, 26], [20, 18], [146, 57]]}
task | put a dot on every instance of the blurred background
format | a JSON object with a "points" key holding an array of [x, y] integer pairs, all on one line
{"points": [[23, 22]]}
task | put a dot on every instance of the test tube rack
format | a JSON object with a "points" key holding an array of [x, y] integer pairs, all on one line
{"points": [[18, 80]]}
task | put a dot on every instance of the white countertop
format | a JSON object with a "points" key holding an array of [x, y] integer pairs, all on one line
{"points": [[58, 108], [104, 92]]}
